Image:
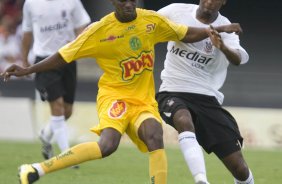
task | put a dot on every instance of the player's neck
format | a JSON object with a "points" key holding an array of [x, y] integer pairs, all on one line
{"points": [[125, 19], [206, 18]]}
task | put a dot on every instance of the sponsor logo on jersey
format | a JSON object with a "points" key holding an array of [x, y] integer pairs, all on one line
{"points": [[200, 60], [117, 109], [150, 28], [135, 66], [112, 38], [135, 43], [132, 27], [55, 27], [64, 13]]}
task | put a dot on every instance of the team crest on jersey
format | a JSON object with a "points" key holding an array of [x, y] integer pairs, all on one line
{"points": [[135, 43], [117, 109], [208, 47], [135, 66]]}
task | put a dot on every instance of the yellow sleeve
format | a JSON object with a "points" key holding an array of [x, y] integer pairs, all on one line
{"points": [[82, 47], [169, 31]]}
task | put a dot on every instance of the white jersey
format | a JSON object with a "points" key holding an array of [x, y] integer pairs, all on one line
{"points": [[53, 23], [198, 67]]}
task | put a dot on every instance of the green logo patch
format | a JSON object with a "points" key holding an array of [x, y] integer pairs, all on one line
{"points": [[135, 43]]}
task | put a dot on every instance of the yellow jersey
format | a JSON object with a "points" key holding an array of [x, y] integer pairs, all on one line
{"points": [[125, 53]]}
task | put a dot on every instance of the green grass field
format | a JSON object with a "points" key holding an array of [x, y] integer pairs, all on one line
{"points": [[129, 166]]}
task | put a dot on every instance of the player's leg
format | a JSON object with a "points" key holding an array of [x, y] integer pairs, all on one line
{"points": [[234, 161], [58, 123], [189, 145], [58, 88], [61, 95], [151, 133], [50, 88], [175, 113], [108, 143], [228, 143], [69, 82], [68, 110]]}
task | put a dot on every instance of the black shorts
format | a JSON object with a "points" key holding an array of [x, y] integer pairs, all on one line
{"points": [[213, 125], [57, 83]]}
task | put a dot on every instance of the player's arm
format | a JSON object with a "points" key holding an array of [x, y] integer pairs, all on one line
{"points": [[233, 55], [80, 29], [51, 62], [195, 34], [27, 41]]}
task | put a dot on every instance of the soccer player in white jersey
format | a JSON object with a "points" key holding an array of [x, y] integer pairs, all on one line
{"points": [[189, 97], [47, 26]]}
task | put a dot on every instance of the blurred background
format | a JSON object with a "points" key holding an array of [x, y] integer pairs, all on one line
{"points": [[253, 92]]}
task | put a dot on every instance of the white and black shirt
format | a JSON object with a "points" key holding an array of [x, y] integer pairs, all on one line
{"points": [[53, 23], [196, 67]]}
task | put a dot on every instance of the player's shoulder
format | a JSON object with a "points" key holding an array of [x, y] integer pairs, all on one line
{"points": [[149, 15], [145, 12], [223, 20], [93, 27], [30, 1], [107, 20], [73, 2], [180, 7]]}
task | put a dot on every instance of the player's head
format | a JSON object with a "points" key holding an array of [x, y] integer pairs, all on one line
{"points": [[125, 10], [211, 6]]}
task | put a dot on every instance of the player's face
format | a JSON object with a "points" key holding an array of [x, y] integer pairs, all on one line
{"points": [[211, 6], [125, 9]]}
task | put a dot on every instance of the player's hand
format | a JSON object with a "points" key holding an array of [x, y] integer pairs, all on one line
{"points": [[26, 64], [13, 70], [233, 27], [215, 38]]}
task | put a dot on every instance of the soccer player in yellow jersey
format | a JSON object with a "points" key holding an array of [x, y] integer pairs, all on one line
{"points": [[123, 45]]}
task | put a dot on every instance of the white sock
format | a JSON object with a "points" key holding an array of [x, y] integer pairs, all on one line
{"points": [[39, 169], [193, 155], [47, 133], [250, 179], [59, 127]]}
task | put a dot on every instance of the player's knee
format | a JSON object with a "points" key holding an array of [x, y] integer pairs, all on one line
{"points": [[242, 172], [107, 148], [155, 140], [183, 124], [68, 111], [68, 114]]}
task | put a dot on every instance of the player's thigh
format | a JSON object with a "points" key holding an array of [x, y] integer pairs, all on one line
{"points": [[112, 114], [231, 156], [140, 116], [168, 106], [49, 85], [69, 81], [224, 149]]}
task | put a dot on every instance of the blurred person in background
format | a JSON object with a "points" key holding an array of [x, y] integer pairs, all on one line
{"points": [[10, 52], [189, 97], [12, 8], [122, 43], [47, 26]]}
